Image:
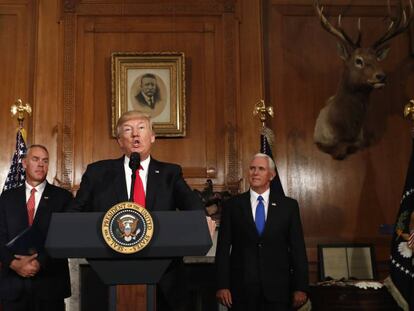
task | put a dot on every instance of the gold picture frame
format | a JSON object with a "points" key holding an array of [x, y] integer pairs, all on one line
{"points": [[152, 82]]}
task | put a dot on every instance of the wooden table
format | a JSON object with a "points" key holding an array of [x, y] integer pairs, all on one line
{"points": [[340, 298]]}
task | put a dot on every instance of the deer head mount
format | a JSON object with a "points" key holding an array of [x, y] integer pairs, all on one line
{"points": [[339, 128]]}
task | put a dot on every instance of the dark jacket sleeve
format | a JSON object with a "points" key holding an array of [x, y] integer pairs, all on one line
{"points": [[83, 199], [223, 248], [6, 256], [299, 261]]}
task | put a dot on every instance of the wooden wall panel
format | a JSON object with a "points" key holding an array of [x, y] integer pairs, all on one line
{"points": [[340, 200], [16, 74], [208, 41]]}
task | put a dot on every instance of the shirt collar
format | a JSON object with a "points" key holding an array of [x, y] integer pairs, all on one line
{"points": [[39, 188], [265, 195], [144, 163]]}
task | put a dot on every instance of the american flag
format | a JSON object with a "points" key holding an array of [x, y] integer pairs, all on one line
{"points": [[265, 147], [16, 175], [400, 283]]}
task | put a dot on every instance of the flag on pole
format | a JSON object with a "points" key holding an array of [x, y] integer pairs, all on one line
{"points": [[266, 137], [401, 279], [16, 175]]}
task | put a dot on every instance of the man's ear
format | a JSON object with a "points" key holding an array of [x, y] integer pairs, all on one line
{"points": [[24, 163]]}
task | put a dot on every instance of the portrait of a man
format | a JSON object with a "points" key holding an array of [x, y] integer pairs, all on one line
{"points": [[153, 83], [149, 92], [149, 95]]}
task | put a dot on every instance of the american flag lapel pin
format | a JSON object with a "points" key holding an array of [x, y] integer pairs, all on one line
{"points": [[273, 204]]}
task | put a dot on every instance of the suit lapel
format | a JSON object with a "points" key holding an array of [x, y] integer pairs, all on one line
{"points": [[152, 181], [120, 180], [21, 208], [247, 213], [43, 206], [274, 201]]}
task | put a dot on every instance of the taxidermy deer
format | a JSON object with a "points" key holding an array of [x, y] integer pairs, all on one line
{"points": [[339, 128]]}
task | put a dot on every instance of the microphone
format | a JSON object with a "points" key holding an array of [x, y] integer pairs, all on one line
{"points": [[134, 161]]}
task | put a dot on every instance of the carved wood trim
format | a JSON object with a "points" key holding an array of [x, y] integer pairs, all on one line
{"points": [[232, 169], [66, 173], [160, 8], [69, 6]]}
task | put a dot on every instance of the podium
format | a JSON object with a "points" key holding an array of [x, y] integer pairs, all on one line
{"points": [[176, 234]]}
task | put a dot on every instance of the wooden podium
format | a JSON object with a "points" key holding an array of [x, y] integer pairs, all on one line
{"points": [[176, 234]]}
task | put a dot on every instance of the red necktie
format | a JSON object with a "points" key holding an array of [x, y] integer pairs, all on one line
{"points": [[139, 194], [31, 206]]}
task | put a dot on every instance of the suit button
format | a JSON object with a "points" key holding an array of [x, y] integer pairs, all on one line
{"points": [[260, 245]]}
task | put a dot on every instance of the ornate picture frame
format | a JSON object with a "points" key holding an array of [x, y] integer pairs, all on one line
{"points": [[152, 82]]}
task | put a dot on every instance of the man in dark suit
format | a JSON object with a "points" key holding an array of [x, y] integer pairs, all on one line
{"points": [[261, 255], [149, 95], [33, 282], [108, 182]]}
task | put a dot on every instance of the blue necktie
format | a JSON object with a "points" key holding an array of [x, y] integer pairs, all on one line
{"points": [[260, 215]]}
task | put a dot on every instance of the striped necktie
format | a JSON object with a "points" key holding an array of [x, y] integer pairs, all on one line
{"points": [[31, 206]]}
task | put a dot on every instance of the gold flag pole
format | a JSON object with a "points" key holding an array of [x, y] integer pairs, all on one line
{"points": [[19, 110], [263, 111], [409, 114]]}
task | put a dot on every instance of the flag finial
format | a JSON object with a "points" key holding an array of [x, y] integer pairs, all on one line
{"points": [[262, 111], [19, 109]]}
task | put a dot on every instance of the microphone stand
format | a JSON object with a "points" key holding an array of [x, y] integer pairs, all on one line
{"points": [[133, 177]]}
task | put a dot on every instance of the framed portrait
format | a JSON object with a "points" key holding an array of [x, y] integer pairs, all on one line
{"points": [[153, 83], [346, 261]]}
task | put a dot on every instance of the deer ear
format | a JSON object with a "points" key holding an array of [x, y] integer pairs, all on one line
{"points": [[382, 52], [342, 51]]}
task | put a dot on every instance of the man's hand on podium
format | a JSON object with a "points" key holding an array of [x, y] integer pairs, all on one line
{"points": [[211, 226]]}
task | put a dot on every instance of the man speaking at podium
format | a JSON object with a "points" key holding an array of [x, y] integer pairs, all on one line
{"points": [[158, 186]]}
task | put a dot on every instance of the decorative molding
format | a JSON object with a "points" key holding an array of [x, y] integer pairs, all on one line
{"points": [[68, 101], [154, 8], [69, 6], [230, 70]]}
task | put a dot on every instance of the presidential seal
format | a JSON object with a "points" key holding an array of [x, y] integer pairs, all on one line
{"points": [[127, 227]]}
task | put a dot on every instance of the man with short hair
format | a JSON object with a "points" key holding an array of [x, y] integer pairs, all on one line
{"points": [[261, 255], [33, 282], [150, 93], [108, 182]]}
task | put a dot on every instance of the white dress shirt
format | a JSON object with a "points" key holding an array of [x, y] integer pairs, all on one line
{"points": [[142, 173]]}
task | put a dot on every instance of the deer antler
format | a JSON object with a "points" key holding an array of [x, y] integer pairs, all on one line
{"points": [[338, 32], [397, 25]]}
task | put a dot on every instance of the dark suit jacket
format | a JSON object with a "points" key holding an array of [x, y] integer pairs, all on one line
{"points": [[53, 278], [276, 260], [103, 185], [141, 99]]}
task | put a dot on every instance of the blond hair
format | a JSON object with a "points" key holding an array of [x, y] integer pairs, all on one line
{"points": [[132, 115]]}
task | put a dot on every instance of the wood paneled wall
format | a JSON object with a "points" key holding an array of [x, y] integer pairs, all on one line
{"points": [[341, 201], [56, 55], [205, 31], [16, 75]]}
